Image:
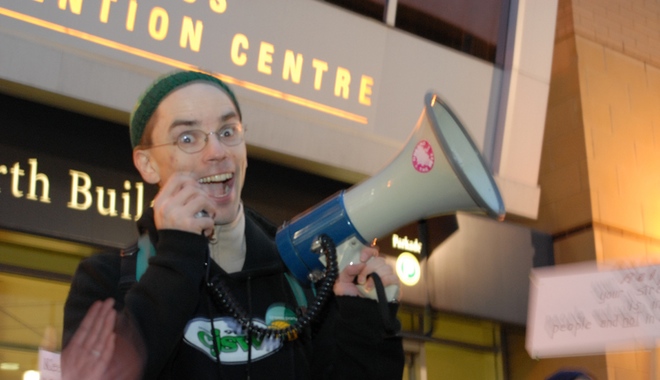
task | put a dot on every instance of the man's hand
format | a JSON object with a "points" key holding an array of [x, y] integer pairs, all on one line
{"points": [[357, 273], [88, 354], [178, 204]]}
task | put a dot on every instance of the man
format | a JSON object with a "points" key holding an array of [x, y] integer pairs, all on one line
{"points": [[188, 138]]}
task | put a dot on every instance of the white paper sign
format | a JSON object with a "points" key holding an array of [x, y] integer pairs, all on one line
{"points": [[49, 365], [582, 309]]}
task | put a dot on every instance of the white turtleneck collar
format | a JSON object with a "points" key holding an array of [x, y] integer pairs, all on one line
{"points": [[228, 248]]}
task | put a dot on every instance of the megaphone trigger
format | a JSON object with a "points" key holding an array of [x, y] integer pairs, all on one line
{"points": [[348, 253]]}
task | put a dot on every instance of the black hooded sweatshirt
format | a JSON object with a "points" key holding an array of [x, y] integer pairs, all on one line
{"points": [[175, 314]]}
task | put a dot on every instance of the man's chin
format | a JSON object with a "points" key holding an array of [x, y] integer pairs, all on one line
{"points": [[225, 215]]}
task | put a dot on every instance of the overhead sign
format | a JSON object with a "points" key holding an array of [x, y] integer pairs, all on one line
{"points": [[586, 310], [310, 76], [71, 200], [209, 35], [406, 244]]}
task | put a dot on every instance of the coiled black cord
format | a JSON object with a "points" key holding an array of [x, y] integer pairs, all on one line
{"points": [[223, 298]]}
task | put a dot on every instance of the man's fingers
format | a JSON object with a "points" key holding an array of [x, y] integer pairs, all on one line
{"points": [[108, 349], [92, 346], [100, 324], [359, 273], [178, 203], [172, 187], [371, 266], [367, 253], [344, 284], [378, 265], [105, 325], [85, 329], [349, 273]]}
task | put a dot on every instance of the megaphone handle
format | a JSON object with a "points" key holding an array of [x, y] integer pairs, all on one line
{"points": [[348, 252]]}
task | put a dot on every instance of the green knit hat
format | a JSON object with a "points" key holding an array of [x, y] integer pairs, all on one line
{"points": [[151, 98]]}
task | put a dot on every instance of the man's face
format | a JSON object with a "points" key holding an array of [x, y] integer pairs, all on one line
{"points": [[219, 168]]}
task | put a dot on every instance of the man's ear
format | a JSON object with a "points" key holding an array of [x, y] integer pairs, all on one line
{"points": [[146, 165]]}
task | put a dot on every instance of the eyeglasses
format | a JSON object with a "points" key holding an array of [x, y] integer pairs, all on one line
{"points": [[194, 140]]}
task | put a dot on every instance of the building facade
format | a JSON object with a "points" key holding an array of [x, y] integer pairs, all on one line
{"points": [[330, 94]]}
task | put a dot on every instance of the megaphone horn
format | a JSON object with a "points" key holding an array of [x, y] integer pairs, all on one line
{"points": [[439, 171]]}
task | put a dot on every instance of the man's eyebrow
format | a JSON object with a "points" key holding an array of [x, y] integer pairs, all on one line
{"points": [[184, 123], [195, 123], [228, 116]]}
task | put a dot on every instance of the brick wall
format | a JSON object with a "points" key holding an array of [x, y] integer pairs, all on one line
{"points": [[631, 27], [600, 168], [616, 43]]}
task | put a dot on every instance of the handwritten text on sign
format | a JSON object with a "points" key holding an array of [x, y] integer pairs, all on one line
{"points": [[581, 310]]}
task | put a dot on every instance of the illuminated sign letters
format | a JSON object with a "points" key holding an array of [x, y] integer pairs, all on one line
{"points": [[293, 64], [159, 19], [406, 244], [143, 30], [81, 196]]}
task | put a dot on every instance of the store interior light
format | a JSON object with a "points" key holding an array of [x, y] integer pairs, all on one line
{"points": [[8, 366], [408, 269], [31, 375]]}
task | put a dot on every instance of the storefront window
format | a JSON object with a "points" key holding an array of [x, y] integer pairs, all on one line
{"points": [[441, 345], [31, 315], [371, 8], [475, 27], [35, 276], [470, 26]]}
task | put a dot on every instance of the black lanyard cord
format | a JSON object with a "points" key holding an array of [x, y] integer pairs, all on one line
{"points": [[223, 298]]}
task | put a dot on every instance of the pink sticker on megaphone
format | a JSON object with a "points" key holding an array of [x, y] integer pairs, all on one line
{"points": [[423, 157]]}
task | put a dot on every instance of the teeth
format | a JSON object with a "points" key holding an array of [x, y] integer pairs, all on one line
{"points": [[216, 178]]}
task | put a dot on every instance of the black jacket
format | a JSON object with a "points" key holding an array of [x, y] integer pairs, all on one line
{"points": [[174, 314]]}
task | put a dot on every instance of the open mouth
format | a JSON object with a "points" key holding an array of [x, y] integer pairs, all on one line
{"points": [[221, 183]]}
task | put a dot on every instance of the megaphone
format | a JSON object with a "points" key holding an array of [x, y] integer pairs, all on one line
{"points": [[439, 171]]}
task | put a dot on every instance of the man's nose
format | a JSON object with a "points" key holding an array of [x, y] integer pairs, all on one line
{"points": [[214, 145]]}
